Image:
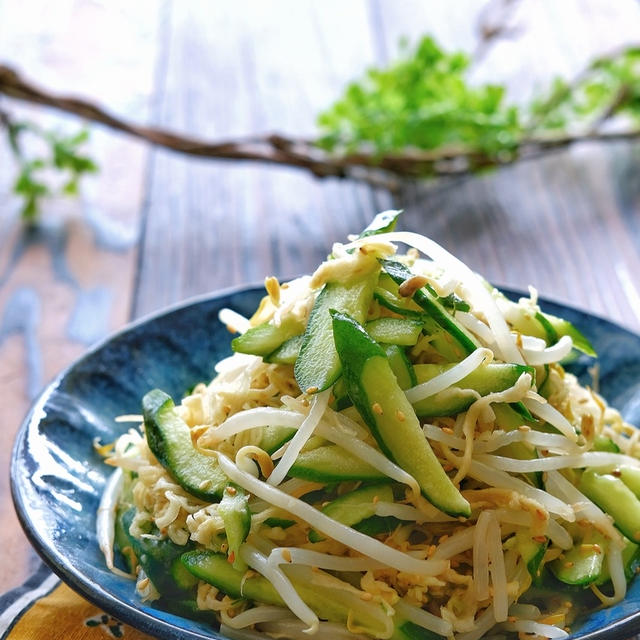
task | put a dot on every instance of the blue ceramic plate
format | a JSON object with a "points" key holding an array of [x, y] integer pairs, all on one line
{"points": [[57, 478]]}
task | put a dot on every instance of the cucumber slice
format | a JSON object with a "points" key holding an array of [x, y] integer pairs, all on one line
{"points": [[331, 463], [630, 560], [532, 552], [352, 508], [631, 477], [287, 352], [214, 568], [318, 365], [486, 379], [430, 303], [614, 497], [330, 598], [234, 509], [401, 331], [266, 337], [375, 392], [583, 564], [169, 438], [160, 560], [401, 367], [273, 437]]}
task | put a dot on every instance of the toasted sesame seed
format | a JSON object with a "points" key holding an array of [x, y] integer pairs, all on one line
{"points": [[377, 408], [286, 555], [400, 415], [524, 427], [232, 557], [376, 499], [231, 491], [311, 390], [366, 596], [568, 565]]}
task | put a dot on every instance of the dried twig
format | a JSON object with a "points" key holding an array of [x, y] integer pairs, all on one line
{"points": [[380, 169]]}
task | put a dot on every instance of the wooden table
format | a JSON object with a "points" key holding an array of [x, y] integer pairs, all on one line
{"points": [[154, 228]]}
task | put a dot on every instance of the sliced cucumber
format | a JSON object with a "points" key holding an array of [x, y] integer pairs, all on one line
{"points": [[488, 378], [401, 331], [430, 303], [160, 560], [401, 366], [613, 496], [234, 509], [331, 463], [169, 438], [273, 437], [631, 477], [214, 568], [532, 552], [318, 365], [287, 352], [352, 508], [329, 598], [267, 337], [583, 564], [375, 392]]}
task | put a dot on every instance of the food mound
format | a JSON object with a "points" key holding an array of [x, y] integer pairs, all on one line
{"points": [[393, 451]]}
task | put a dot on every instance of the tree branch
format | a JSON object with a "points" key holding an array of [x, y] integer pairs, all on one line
{"points": [[379, 169]]}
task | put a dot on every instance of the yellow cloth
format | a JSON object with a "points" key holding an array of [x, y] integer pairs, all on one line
{"points": [[65, 614]]}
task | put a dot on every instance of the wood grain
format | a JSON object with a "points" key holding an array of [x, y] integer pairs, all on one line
{"points": [[64, 286], [237, 70]]}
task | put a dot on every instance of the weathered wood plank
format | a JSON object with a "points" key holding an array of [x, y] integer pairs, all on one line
{"points": [[68, 283], [237, 70], [560, 223]]}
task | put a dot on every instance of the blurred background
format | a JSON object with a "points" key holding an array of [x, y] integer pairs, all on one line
{"points": [[152, 227]]}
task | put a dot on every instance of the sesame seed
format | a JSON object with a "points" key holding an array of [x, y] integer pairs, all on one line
{"points": [[311, 390], [377, 408], [232, 557], [366, 596], [568, 565], [400, 416], [231, 491], [286, 555], [376, 499], [524, 427]]}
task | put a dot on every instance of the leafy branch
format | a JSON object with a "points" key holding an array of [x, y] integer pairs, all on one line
{"points": [[419, 117], [63, 156]]}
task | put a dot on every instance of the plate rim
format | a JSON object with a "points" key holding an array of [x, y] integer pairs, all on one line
{"points": [[135, 616]]}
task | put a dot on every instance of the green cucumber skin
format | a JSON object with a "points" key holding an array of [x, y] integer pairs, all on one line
{"points": [[485, 379], [158, 558], [318, 364], [400, 440], [169, 439], [401, 366], [234, 509], [585, 570], [433, 307], [286, 353], [330, 463], [399, 331], [214, 568], [266, 337], [356, 506], [631, 477], [273, 437], [613, 496]]}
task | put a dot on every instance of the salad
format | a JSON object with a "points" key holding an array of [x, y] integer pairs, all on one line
{"points": [[394, 450]]}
